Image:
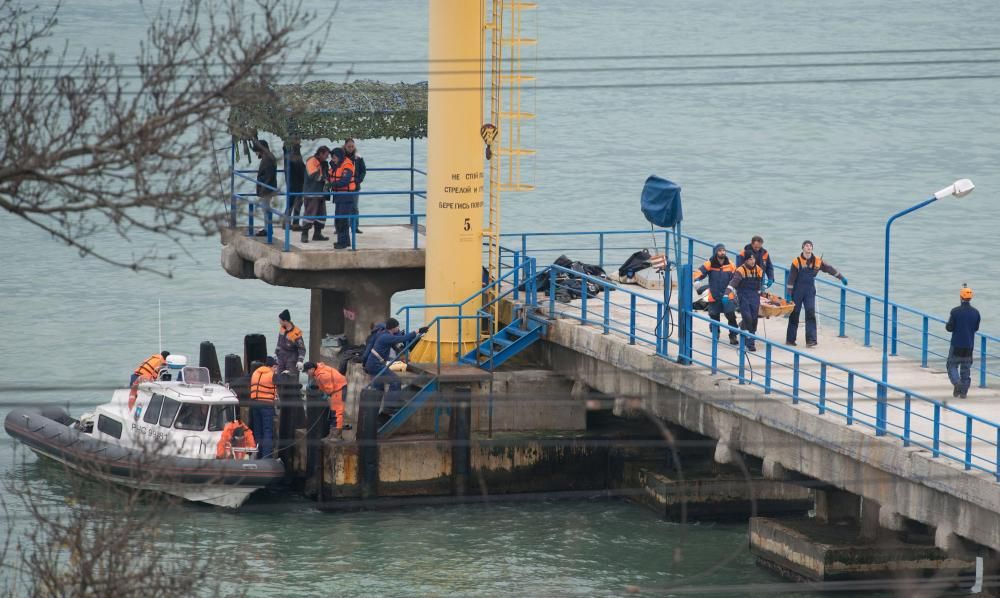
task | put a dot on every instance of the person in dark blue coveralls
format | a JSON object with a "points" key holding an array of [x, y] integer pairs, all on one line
{"points": [[963, 323], [378, 356], [719, 270], [802, 290], [746, 282], [756, 248]]}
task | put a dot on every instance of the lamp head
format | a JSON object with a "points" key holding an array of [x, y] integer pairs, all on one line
{"points": [[959, 188]]}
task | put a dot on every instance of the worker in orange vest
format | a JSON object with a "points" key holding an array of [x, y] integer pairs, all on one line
{"points": [[264, 391], [150, 369], [317, 176], [331, 383], [235, 435], [342, 181]]}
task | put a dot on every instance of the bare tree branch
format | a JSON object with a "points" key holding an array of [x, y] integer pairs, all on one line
{"points": [[87, 147]]}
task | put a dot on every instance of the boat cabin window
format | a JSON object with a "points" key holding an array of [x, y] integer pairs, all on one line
{"points": [[219, 416], [152, 414], [170, 407], [109, 426], [192, 416], [195, 375]]}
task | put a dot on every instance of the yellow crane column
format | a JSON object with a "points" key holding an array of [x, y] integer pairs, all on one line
{"points": [[454, 174]]}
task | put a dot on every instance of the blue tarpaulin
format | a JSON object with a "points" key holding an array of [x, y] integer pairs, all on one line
{"points": [[661, 201]]}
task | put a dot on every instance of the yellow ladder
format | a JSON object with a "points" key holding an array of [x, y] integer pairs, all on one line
{"points": [[507, 81]]}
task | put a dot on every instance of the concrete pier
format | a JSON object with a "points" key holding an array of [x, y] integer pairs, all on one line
{"points": [[808, 550], [350, 289], [907, 481]]}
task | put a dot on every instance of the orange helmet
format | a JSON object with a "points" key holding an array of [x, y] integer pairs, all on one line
{"points": [[965, 294]]}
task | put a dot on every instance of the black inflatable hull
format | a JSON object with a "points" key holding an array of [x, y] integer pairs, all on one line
{"points": [[224, 482]]}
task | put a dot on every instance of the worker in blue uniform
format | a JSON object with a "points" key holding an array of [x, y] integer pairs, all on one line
{"points": [[963, 323], [801, 288], [746, 282], [719, 270], [379, 355], [756, 248]]}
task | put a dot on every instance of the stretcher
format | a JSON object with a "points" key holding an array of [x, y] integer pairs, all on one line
{"points": [[772, 305]]}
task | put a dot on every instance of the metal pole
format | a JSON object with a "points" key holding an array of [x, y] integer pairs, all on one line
{"points": [[413, 219], [882, 390], [232, 185]]}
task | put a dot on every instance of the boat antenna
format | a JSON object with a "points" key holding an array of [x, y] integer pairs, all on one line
{"points": [[159, 325]]}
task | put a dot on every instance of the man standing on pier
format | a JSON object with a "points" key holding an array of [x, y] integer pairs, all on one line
{"points": [[963, 323], [290, 348], [802, 290], [345, 202], [317, 173], [763, 259], [721, 300], [351, 151], [267, 181], [747, 283]]}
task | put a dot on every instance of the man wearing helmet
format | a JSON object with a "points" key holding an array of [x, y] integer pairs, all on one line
{"points": [[962, 324]]}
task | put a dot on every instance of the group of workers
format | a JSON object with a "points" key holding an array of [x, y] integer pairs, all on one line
{"points": [[738, 287], [733, 288], [339, 170], [290, 354]]}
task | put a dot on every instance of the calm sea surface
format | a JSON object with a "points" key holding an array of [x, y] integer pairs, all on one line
{"points": [[824, 161]]}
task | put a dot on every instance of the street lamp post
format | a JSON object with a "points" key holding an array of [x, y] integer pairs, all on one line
{"points": [[959, 188]]}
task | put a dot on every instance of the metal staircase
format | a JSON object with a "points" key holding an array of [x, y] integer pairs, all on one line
{"points": [[412, 405], [517, 336]]}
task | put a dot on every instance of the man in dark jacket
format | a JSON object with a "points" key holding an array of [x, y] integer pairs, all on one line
{"points": [[344, 202], [350, 150], [746, 282], [290, 348], [719, 270], [378, 356], [963, 323], [296, 174], [756, 248], [267, 180], [802, 290]]}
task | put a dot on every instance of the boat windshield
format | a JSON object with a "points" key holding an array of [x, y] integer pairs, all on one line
{"points": [[192, 416], [195, 375], [221, 415]]}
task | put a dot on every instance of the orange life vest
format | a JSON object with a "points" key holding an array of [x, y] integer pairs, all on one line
{"points": [[345, 164], [262, 385], [222, 451], [292, 335], [150, 369], [331, 382]]}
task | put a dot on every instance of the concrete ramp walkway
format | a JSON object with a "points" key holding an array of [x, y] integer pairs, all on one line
{"points": [[958, 434]]}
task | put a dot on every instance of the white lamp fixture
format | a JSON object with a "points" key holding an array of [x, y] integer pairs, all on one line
{"points": [[959, 188]]}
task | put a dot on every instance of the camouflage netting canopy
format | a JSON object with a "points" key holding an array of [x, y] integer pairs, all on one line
{"points": [[336, 111]]}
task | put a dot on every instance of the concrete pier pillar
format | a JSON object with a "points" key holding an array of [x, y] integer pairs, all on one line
{"points": [[891, 520], [326, 316], [837, 506], [460, 435], [724, 454], [773, 470], [367, 440], [868, 524]]}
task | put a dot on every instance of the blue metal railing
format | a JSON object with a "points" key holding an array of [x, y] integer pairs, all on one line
{"points": [[411, 216], [521, 280], [831, 388], [855, 313]]}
